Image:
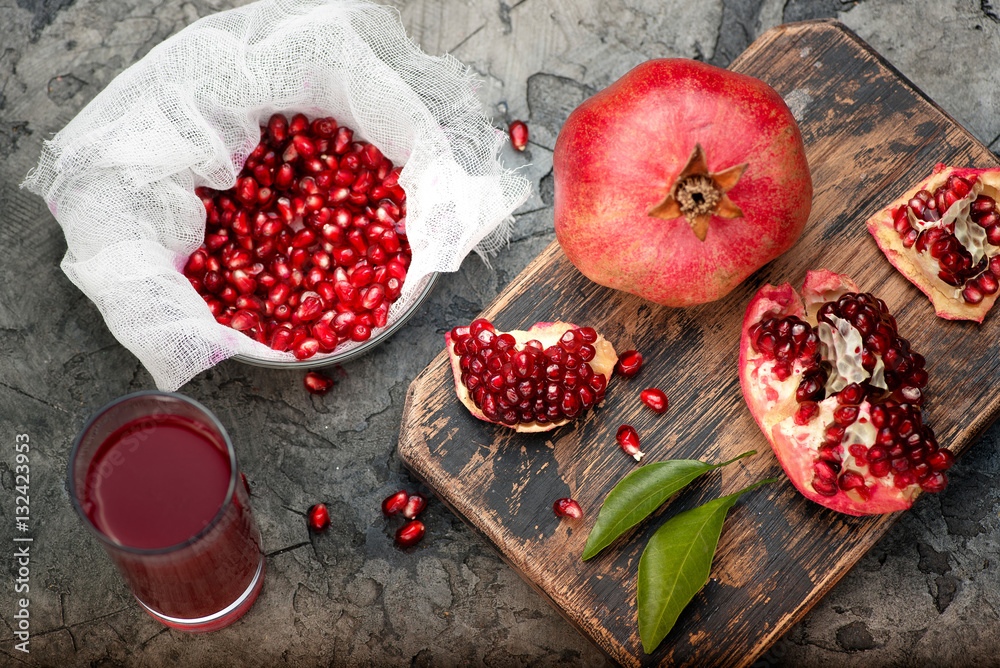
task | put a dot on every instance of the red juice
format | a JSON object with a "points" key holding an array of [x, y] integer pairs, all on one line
{"points": [[157, 489]]}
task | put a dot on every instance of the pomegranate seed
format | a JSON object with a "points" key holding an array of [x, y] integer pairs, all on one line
{"points": [[410, 533], [196, 263], [305, 348], [243, 320], [395, 503], [277, 129], [319, 517], [655, 399], [935, 482], [324, 127], [628, 439], [342, 140], [360, 333], [518, 135], [281, 338], [629, 363], [941, 460], [972, 294], [567, 508], [310, 307], [806, 412], [415, 504], [246, 483], [845, 416], [317, 383]]}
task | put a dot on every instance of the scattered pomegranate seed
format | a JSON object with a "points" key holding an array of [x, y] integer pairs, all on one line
{"points": [[655, 399], [410, 533], [628, 439], [567, 508], [518, 134], [414, 506], [317, 383], [629, 363], [394, 503], [319, 517]]}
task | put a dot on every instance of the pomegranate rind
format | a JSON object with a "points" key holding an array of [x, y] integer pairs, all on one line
{"points": [[619, 152], [548, 333], [921, 269], [772, 401]]}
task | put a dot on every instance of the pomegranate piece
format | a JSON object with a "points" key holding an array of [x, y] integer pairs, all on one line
{"points": [[410, 533], [655, 399], [319, 517], [629, 363], [533, 380], [683, 215], [394, 503], [837, 392], [415, 505], [317, 383], [628, 439], [567, 508], [944, 236], [518, 134], [304, 237]]}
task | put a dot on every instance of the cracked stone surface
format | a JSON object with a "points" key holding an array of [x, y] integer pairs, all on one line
{"points": [[927, 594]]}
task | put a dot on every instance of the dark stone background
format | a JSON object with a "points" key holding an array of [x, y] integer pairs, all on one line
{"points": [[927, 594]]}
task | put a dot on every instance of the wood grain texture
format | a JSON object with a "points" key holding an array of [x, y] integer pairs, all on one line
{"points": [[869, 134]]}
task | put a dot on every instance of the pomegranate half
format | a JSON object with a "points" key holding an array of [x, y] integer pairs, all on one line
{"points": [[944, 236], [837, 392], [533, 380], [678, 181]]}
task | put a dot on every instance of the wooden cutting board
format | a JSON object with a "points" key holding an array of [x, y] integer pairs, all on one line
{"points": [[869, 134]]}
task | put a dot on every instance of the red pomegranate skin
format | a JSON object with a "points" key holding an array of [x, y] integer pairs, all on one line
{"points": [[619, 153]]}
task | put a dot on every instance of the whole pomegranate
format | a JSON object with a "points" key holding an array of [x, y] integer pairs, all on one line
{"points": [[837, 392], [944, 236], [533, 380], [678, 181]]}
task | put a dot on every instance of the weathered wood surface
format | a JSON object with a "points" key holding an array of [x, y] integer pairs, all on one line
{"points": [[868, 134]]}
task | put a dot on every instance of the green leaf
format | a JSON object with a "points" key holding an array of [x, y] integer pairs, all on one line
{"points": [[640, 493], [676, 564]]}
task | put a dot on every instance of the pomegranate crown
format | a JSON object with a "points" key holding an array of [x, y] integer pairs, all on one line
{"points": [[698, 194]]}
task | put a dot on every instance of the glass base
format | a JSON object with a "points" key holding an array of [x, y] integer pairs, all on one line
{"points": [[220, 619]]}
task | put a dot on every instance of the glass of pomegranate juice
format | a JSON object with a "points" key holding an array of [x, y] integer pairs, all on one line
{"points": [[154, 476]]}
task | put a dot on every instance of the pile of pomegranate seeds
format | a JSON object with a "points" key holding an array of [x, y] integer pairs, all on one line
{"points": [[530, 384], [409, 505], [904, 447], [518, 135], [309, 249], [972, 268], [567, 508]]}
